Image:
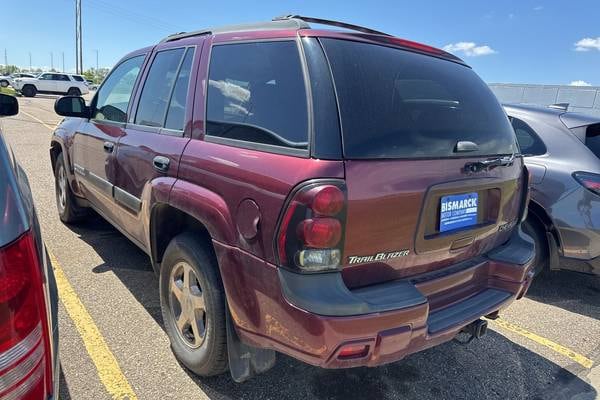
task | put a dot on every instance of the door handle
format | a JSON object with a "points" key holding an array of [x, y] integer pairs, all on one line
{"points": [[109, 147], [161, 163]]}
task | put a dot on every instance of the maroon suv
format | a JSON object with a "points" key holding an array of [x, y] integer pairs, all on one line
{"points": [[346, 198]]}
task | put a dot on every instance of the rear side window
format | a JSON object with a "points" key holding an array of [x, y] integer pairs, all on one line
{"points": [[177, 105], [78, 78], [400, 104], [592, 139], [529, 141], [155, 96], [256, 94]]}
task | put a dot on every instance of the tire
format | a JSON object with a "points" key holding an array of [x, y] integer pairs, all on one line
{"points": [[29, 91], [535, 229], [68, 210], [203, 351], [4, 83], [74, 92]]}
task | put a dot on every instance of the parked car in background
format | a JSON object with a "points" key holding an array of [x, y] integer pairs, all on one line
{"points": [[274, 227], [29, 365], [50, 83], [562, 152], [8, 80]]}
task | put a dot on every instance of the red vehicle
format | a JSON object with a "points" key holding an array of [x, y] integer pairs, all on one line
{"points": [[346, 198], [29, 362]]}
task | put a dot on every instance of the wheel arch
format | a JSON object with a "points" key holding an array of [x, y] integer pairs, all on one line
{"points": [[542, 216]]}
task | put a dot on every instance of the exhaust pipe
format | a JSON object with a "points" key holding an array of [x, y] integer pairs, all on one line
{"points": [[476, 328]]}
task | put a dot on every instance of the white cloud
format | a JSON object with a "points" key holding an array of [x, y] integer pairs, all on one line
{"points": [[469, 49], [511, 16], [538, 8], [587, 44], [579, 83]]}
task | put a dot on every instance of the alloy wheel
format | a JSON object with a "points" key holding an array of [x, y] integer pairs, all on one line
{"points": [[187, 306]]}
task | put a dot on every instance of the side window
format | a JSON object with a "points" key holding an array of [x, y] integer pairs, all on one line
{"points": [[529, 141], [592, 140], [113, 97], [77, 78], [45, 77], [62, 77], [156, 93], [256, 94], [177, 106]]}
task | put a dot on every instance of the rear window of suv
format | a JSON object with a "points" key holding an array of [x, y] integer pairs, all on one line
{"points": [[400, 104]]}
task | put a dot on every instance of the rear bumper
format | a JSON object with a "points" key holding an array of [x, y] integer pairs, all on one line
{"points": [[311, 317]]}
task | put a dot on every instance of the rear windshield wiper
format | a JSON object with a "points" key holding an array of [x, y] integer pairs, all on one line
{"points": [[487, 165]]}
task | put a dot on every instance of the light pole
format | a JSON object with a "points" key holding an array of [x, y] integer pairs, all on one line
{"points": [[30, 69], [51, 61], [63, 61], [97, 72]]}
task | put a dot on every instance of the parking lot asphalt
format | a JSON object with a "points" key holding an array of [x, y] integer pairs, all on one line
{"points": [[546, 346]]}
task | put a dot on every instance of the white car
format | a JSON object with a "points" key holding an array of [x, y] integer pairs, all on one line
{"points": [[52, 83]]}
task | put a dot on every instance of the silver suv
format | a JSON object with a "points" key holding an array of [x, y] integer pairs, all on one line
{"points": [[562, 152]]}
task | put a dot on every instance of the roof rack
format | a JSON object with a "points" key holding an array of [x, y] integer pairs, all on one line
{"points": [[331, 23], [287, 23], [282, 22]]}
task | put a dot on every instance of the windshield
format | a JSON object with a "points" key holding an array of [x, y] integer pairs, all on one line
{"points": [[400, 104]]}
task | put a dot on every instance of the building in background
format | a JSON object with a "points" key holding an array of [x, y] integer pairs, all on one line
{"points": [[583, 99]]}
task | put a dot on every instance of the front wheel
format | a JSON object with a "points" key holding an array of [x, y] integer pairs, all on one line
{"points": [[4, 83], [68, 210], [192, 301], [29, 91]]}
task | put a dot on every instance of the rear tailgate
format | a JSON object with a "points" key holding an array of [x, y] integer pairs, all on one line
{"points": [[394, 216], [411, 123]]}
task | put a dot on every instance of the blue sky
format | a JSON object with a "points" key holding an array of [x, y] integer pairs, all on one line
{"points": [[527, 41]]}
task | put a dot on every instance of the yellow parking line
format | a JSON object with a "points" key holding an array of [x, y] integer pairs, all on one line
{"points": [[578, 358], [39, 120], [108, 369]]}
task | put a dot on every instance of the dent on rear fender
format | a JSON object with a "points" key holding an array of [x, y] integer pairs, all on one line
{"points": [[207, 207]]}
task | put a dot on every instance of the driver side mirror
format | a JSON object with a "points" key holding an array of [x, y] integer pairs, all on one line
{"points": [[8, 105], [72, 106]]}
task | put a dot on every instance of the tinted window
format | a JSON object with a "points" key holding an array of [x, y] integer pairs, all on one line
{"points": [[45, 77], [60, 77], [592, 139], [529, 142], [77, 78], [157, 88], [113, 97], [176, 112], [256, 93], [400, 104]]}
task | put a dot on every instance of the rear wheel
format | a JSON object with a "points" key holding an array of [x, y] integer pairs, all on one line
{"points": [[68, 210], [192, 301], [536, 230], [74, 92], [3, 83], [29, 91]]}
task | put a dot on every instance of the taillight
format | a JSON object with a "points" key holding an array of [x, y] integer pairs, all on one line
{"points": [[24, 337], [589, 181], [310, 237]]}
